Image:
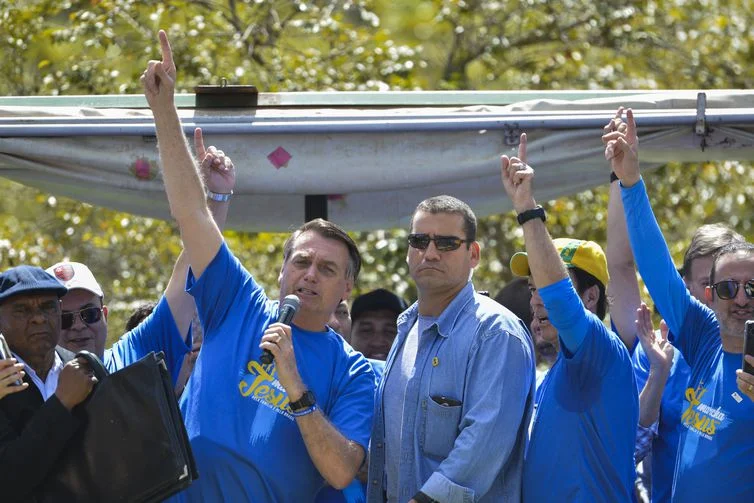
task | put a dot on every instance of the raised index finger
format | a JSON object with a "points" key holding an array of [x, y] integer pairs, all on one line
{"points": [[522, 148], [201, 152], [631, 124], [167, 52]]}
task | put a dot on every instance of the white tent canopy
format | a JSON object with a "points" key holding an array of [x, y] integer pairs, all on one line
{"points": [[374, 155]]}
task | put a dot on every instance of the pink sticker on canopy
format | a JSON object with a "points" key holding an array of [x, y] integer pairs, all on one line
{"points": [[143, 169], [279, 158]]}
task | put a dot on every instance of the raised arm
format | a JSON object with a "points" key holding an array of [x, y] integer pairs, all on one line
{"points": [[219, 177], [648, 245], [183, 183], [660, 355], [544, 261], [623, 289], [545, 266]]}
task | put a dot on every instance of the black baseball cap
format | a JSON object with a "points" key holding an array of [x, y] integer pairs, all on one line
{"points": [[377, 300]]}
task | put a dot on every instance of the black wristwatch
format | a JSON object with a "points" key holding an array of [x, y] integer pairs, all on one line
{"points": [[525, 216], [306, 401]]}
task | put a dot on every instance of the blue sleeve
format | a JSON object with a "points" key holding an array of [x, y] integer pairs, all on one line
{"points": [[588, 346], [653, 258], [566, 312], [353, 407], [158, 332], [687, 318], [221, 289]]}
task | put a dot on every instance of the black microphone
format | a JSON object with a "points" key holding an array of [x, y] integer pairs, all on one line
{"points": [[288, 309]]}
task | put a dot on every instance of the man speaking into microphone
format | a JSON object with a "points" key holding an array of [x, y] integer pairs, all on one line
{"points": [[263, 431]]}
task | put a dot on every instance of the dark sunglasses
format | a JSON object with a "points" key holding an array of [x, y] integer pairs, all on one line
{"points": [[442, 243], [728, 289], [88, 315]]}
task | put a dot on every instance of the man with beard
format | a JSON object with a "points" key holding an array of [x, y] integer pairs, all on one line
{"points": [[716, 448]]}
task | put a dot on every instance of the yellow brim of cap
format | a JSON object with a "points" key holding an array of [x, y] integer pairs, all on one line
{"points": [[520, 264]]}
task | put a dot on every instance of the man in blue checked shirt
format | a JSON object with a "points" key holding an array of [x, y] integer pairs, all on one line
{"points": [[452, 409]]}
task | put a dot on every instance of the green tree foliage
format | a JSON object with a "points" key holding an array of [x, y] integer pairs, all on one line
{"points": [[101, 46]]}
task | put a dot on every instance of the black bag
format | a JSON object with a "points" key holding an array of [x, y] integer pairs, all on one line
{"points": [[132, 445]]}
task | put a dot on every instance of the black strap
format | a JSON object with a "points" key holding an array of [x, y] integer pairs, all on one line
{"points": [[100, 372]]}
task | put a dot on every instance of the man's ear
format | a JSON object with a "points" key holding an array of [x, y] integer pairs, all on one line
{"points": [[590, 297], [708, 294], [104, 312], [347, 291], [476, 253]]}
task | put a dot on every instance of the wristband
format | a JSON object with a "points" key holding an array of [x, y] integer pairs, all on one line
{"points": [[304, 412], [613, 177], [525, 216], [219, 196]]}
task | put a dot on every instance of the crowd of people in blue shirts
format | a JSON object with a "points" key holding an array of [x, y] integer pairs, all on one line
{"points": [[470, 403]]}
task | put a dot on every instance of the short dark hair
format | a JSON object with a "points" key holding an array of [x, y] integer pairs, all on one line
{"points": [[708, 240], [449, 204], [140, 313], [328, 230], [729, 249], [516, 297], [584, 280]]}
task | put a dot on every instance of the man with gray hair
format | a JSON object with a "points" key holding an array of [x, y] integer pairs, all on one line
{"points": [[166, 328], [452, 409], [716, 446]]}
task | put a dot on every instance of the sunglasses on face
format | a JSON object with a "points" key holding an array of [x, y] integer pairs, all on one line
{"points": [[88, 315], [728, 289], [442, 243]]}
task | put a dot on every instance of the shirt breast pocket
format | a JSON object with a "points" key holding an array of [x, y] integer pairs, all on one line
{"points": [[441, 419]]}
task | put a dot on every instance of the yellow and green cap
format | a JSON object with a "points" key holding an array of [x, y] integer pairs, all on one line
{"points": [[585, 255]]}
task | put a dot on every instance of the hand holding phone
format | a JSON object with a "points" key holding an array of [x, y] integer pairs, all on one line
{"points": [[9, 371]]}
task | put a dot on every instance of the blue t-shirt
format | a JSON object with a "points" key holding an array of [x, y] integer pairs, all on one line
{"points": [[586, 411], [715, 459], [158, 332], [247, 445], [356, 490], [665, 444]]}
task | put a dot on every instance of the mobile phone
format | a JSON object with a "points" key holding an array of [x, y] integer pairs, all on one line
{"points": [[748, 347], [446, 401], [4, 349], [5, 353]]}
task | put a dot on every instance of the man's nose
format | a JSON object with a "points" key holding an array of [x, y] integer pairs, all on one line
{"points": [[311, 273], [741, 298], [432, 253], [78, 322]]}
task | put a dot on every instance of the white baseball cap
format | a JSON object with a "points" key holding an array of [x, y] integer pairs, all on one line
{"points": [[75, 275]]}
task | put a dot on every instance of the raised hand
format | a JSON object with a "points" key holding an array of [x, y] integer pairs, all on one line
{"points": [[218, 171], [517, 177], [659, 351], [159, 77], [622, 147]]}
